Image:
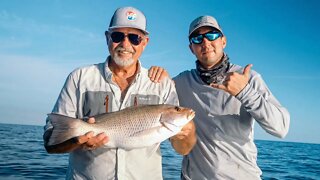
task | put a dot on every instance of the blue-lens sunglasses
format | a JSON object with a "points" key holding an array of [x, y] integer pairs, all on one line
{"points": [[211, 36]]}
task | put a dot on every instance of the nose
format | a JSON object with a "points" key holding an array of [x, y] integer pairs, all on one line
{"points": [[205, 42], [125, 42]]}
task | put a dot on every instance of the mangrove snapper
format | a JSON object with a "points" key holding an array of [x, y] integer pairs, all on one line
{"points": [[133, 127]]}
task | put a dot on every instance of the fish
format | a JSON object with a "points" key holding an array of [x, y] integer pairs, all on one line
{"points": [[134, 127]]}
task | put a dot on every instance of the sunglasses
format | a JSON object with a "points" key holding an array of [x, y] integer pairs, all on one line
{"points": [[211, 36], [117, 37]]}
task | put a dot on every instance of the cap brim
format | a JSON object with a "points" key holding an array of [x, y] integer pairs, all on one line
{"points": [[205, 24], [114, 27]]}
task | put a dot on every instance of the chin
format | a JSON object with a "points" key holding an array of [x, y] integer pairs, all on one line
{"points": [[123, 62], [209, 62]]}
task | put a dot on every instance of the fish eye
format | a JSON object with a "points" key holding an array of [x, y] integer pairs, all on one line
{"points": [[177, 108]]}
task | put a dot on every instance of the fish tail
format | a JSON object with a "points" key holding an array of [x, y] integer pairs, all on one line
{"points": [[64, 128]]}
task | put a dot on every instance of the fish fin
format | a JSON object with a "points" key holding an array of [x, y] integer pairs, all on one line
{"points": [[64, 128], [152, 149]]}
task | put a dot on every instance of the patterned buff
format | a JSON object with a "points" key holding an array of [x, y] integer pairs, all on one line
{"points": [[215, 75]]}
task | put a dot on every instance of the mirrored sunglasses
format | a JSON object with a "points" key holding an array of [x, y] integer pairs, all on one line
{"points": [[117, 37], [211, 36]]}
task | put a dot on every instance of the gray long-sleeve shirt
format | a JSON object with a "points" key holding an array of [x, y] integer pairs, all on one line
{"points": [[89, 91], [224, 126]]}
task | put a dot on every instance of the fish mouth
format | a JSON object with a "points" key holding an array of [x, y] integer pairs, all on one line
{"points": [[166, 126], [172, 126]]}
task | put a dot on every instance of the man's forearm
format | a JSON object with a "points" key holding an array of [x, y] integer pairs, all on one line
{"points": [[64, 147]]}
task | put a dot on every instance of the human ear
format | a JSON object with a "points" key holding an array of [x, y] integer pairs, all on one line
{"points": [[107, 37], [224, 41], [145, 41], [190, 47]]}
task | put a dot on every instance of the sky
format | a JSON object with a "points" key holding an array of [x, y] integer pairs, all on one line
{"points": [[42, 41]]}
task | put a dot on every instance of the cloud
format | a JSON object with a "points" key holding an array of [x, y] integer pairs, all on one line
{"points": [[23, 26], [34, 64], [26, 36]]}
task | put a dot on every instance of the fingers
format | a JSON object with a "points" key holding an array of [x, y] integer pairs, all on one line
{"points": [[234, 82], [152, 72], [85, 138], [96, 141], [247, 70], [157, 74], [102, 138]]}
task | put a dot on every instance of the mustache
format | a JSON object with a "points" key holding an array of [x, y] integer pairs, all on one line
{"points": [[125, 49]]}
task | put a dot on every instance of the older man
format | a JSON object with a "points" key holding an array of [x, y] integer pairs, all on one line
{"points": [[115, 84]]}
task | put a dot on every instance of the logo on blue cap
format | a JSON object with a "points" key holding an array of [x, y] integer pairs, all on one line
{"points": [[131, 15]]}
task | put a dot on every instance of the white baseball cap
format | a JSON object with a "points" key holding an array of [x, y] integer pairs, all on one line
{"points": [[129, 17]]}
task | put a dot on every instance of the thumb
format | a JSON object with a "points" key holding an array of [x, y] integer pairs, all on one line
{"points": [[247, 70]]}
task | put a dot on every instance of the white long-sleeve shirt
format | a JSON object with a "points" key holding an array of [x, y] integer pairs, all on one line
{"points": [[224, 126], [89, 91]]}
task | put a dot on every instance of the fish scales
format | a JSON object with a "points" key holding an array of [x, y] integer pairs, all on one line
{"points": [[130, 121], [133, 127]]}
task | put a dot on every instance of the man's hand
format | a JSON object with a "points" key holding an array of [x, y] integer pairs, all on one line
{"points": [[235, 82], [91, 142], [87, 141], [157, 74], [184, 141], [185, 132]]}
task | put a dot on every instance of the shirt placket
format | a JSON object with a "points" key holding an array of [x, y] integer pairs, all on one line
{"points": [[121, 154]]}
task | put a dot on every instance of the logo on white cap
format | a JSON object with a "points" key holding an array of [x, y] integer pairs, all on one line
{"points": [[131, 15]]}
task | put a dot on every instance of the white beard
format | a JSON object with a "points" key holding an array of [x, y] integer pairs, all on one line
{"points": [[122, 62]]}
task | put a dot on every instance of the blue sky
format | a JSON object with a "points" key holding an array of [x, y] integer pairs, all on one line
{"points": [[41, 42]]}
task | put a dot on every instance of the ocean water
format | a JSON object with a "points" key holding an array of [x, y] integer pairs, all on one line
{"points": [[22, 156]]}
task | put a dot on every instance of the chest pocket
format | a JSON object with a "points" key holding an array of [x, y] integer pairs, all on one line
{"points": [[96, 102], [138, 99]]}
